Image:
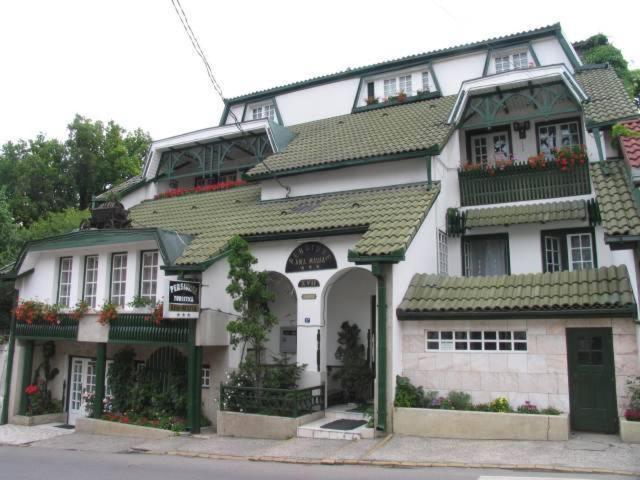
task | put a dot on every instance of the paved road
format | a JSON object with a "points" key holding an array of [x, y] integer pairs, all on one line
{"points": [[34, 463]]}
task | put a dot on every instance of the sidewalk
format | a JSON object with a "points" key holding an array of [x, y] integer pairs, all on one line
{"points": [[584, 453]]}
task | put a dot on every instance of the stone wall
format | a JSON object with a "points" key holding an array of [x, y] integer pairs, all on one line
{"points": [[539, 375]]}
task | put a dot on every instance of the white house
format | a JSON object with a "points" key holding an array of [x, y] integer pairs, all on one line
{"points": [[418, 198]]}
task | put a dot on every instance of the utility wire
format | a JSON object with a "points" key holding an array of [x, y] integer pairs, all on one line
{"points": [[184, 20]]}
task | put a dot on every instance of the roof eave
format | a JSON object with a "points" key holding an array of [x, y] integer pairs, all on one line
{"points": [[624, 311]]}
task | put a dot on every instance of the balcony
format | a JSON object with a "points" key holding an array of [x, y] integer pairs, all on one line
{"points": [[522, 182], [65, 329], [139, 328]]}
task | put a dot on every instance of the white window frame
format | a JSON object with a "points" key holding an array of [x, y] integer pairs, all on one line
{"points": [[579, 261], [390, 87], [520, 60], [264, 111], [558, 253], [507, 61], [558, 137], [405, 84], [90, 287], [488, 142], [205, 378], [443, 252], [497, 341], [502, 63], [426, 88], [149, 263], [65, 275], [121, 282], [553, 253]]}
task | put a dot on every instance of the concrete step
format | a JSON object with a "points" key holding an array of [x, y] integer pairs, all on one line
{"points": [[314, 430]]}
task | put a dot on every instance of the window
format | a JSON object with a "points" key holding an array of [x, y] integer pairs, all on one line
{"points": [[568, 250], [557, 135], [515, 61], [90, 280], [405, 85], [264, 111], [476, 340], [520, 60], [390, 87], [489, 148], [443, 253], [425, 82], [206, 376], [149, 275], [64, 281], [118, 278], [485, 255]]}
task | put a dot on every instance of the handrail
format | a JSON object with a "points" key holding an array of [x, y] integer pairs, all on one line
{"points": [[272, 401]]}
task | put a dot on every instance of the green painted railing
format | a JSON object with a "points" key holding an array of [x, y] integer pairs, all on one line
{"points": [[521, 182], [272, 401], [140, 328], [66, 329]]}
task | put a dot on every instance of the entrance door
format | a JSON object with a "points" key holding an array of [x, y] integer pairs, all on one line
{"points": [[82, 383], [592, 384]]}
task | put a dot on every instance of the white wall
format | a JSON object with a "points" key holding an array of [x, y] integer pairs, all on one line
{"points": [[452, 71], [550, 52], [396, 172]]}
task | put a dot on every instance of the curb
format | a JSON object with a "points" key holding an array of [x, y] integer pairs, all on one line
{"points": [[396, 464]]}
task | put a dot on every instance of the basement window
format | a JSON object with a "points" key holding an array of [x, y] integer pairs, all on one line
{"points": [[476, 340]]}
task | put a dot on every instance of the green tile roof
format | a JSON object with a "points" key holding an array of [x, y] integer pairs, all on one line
{"points": [[123, 187], [605, 291], [619, 213], [388, 216], [534, 213], [411, 127], [609, 101]]}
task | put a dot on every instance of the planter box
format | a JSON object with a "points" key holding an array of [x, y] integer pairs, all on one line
{"points": [[479, 425], [251, 425], [30, 421], [629, 431], [104, 427]]}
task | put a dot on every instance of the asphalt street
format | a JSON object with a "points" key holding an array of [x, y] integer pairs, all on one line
{"points": [[35, 463]]}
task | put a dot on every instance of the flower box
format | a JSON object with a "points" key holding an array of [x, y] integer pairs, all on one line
{"points": [[33, 420], [629, 431], [472, 425]]}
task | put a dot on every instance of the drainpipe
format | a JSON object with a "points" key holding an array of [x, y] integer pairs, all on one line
{"points": [[429, 181], [194, 367], [4, 415], [381, 374], [597, 137]]}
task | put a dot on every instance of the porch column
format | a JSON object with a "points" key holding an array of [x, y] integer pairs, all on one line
{"points": [[27, 366], [381, 358], [101, 364], [194, 368], [4, 415]]}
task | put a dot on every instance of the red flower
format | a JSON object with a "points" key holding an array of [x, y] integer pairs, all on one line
{"points": [[632, 415], [31, 389], [178, 192]]}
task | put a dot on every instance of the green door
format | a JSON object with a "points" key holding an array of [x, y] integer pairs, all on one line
{"points": [[592, 383]]}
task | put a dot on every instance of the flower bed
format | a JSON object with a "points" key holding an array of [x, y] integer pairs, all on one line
{"points": [[178, 192], [629, 430]]}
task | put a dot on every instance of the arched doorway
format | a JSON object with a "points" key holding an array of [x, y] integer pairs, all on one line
{"points": [[349, 296], [283, 337]]}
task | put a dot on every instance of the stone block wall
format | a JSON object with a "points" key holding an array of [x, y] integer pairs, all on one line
{"points": [[539, 375]]}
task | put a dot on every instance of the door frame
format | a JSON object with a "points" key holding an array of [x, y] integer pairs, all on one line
{"points": [[607, 337], [65, 407]]}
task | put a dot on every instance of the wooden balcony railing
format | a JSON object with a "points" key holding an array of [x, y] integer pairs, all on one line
{"points": [[521, 182], [67, 328], [139, 328]]}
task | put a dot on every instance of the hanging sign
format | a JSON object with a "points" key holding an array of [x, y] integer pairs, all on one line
{"points": [[184, 299], [310, 256], [308, 283]]}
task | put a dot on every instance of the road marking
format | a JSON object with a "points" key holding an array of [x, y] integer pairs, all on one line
{"points": [[484, 477]]}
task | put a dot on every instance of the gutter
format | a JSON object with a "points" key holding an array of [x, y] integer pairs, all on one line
{"points": [[626, 311]]}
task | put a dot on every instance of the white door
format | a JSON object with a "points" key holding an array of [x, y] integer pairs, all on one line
{"points": [[82, 382]]}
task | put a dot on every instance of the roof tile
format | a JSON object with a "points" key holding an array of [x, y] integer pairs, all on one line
{"points": [[609, 101], [531, 213]]}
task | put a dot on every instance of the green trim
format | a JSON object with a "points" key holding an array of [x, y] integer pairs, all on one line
{"points": [[4, 414], [598, 139], [244, 112], [435, 150], [609, 123], [411, 99], [406, 62], [193, 380], [225, 114], [627, 311], [381, 374], [393, 257], [355, 100], [533, 54], [567, 49], [487, 60], [27, 366], [435, 78]]}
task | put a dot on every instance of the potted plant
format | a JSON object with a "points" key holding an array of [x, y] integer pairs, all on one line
{"points": [[80, 310], [401, 97], [140, 304], [157, 314], [108, 313], [371, 100]]}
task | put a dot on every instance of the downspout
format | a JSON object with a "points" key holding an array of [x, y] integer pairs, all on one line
{"points": [[429, 180], [597, 137], [4, 415], [381, 374]]}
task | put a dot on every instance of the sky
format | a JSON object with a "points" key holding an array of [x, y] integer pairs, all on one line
{"points": [[130, 60]]}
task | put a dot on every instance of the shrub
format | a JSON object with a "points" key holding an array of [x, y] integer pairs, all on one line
{"points": [[407, 394], [633, 388], [528, 407], [482, 407], [459, 400], [500, 405], [550, 411]]}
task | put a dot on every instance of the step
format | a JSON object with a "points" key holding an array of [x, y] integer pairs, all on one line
{"points": [[314, 430]]}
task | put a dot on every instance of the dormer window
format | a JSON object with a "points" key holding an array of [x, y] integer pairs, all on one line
{"points": [[425, 82], [512, 61], [264, 111], [390, 87], [393, 86]]}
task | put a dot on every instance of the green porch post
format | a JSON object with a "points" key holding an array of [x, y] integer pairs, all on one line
{"points": [[101, 365], [194, 367], [381, 358], [26, 375], [4, 415]]}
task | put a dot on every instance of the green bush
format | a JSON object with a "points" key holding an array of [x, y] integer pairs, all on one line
{"points": [[459, 400], [550, 411], [500, 405], [407, 394]]}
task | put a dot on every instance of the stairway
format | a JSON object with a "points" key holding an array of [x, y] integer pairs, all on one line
{"points": [[338, 412]]}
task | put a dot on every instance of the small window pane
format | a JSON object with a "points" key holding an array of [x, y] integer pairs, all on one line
{"points": [[476, 335], [461, 335], [490, 345], [432, 345], [505, 345], [475, 346], [432, 335], [505, 335], [489, 335], [461, 345], [446, 335], [520, 335], [520, 346]]}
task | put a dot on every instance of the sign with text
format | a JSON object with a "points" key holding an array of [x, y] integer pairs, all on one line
{"points": [[184, 299], [310, 256], [308, 283]]}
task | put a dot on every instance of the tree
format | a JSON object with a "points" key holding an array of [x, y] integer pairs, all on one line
{"points": [[355, 376], [251, 295], [598, 49]]}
